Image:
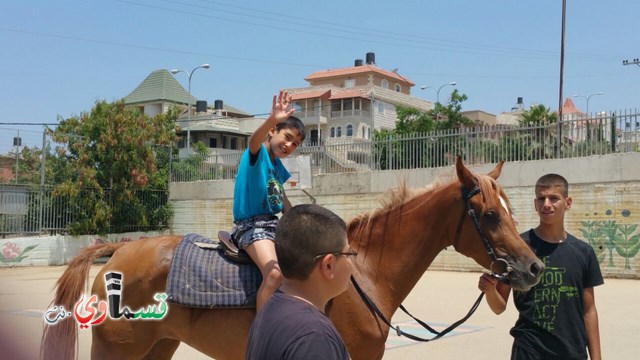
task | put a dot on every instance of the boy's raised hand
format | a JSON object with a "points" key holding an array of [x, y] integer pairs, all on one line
{"points": [[281, 107]]}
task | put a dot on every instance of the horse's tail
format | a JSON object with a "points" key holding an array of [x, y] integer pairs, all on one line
{"points": [[60, 339]]}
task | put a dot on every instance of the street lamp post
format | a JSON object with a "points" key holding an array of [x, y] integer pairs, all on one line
{"points": [[453, 83], [588, 98], [189, 74], [587, 111]]}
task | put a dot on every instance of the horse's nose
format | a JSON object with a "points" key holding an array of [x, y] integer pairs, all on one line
{"points": [[536, 268]]}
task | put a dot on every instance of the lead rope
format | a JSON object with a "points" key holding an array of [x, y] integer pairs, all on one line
{"points": [[466, 195], [372, 306]]}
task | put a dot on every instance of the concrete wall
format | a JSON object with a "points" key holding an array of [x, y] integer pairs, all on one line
{"points": [[605, 189], [605, 212], [54, 250]]}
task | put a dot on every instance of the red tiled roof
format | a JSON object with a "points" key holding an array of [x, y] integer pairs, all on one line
{"points": [[6, 174], [335, 95], [311, 95], [569, 107], [356, 70]]}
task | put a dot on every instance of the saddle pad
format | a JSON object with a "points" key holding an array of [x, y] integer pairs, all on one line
{"points": [[203, 277]]}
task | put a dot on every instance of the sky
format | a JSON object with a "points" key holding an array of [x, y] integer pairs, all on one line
{"points": [[59, 57]]}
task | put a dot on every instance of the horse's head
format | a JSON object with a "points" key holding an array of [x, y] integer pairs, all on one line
{"points": [[487, 232]]}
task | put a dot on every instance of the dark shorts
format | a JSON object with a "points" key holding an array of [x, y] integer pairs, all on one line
{"points": [[261, 227]]}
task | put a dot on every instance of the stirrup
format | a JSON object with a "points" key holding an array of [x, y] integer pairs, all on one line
{"points": [[230, 250]]}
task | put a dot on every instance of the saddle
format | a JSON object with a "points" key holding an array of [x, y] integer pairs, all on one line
{"points": [[202, 275], [230, 249]]}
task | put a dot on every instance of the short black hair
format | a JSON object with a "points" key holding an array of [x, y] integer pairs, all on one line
{"points": [[304, 232], [550, 180], [292, 123]]}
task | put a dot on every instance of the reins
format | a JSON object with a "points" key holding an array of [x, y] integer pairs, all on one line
{"points": [[372, 306], [466, 197]]}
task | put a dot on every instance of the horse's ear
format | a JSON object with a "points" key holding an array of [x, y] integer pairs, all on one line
{"points": [[464, 175], [496, 171]]}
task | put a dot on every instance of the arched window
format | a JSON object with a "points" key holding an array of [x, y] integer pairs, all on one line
{"points": [[349, 130], [398, 88], [363, 132], [384, 84], [339, 132], [332, 132]]}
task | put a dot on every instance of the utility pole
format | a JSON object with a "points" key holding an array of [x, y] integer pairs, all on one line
{"points": [[559, 122], [635, 61]]}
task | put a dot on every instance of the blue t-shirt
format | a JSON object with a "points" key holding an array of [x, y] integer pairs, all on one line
{"points": [[258, 189]]}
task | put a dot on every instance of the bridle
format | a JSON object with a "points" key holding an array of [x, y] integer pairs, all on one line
{"points": [[466, 197]]}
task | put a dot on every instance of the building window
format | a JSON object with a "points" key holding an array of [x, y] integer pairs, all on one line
{"points": [[384, 84], [332, 132], [368, 133], [339, 131], [234, 143], [349, 83], [349, 130], [347, 104], [380, 107], [213, 142], [297, 107], [398, 88]]}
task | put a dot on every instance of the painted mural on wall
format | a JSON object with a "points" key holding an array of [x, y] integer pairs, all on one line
{"points": [[12, 253], [612, 238]]}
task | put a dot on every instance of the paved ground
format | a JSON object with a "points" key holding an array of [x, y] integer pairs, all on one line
{"points": [[439, 298]]}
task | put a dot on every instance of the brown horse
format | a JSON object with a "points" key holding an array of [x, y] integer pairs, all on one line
{"points": [[395, 245]]}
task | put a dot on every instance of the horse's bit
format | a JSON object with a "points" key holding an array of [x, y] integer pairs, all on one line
{"points": [[466, 197]]}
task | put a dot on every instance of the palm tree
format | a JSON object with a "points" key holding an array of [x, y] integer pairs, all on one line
{"points": [[540, 119]]}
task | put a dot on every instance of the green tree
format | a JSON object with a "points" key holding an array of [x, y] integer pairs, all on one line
{"points": [[542, 143], [28, 167], [538, 115], [107, 159], [412, 120], [449, 115], [406, 147], [192, 167]]}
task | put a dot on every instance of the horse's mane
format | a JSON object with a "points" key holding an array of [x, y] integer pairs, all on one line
{"points": [[399, 196], [395, 198]]}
